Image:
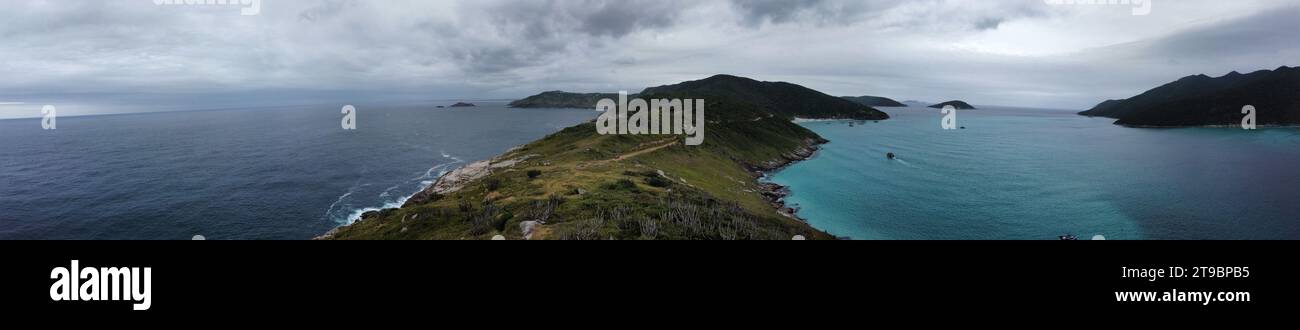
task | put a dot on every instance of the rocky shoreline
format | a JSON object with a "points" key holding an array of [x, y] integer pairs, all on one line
{"points": [[775, 193], [448, 183]]}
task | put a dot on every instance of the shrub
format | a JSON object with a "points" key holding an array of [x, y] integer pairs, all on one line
{"points": [[533, 174], [589, 230], [658, 182], [544, 210], [493, 184], [623, 184], [649, 228], [646, 173], [487, 221]]}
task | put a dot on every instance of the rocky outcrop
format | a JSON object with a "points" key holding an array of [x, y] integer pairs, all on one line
{"points": [[775, 194], [808, 150], [456, 180]]}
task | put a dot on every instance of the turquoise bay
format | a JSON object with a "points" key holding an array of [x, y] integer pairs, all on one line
{"points": [[1037, 174]]}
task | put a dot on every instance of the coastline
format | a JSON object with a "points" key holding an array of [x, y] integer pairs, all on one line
{"points": [[775, 193], [448, 182], [1231, 125]]}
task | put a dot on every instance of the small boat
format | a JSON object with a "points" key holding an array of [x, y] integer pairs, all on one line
{"points": [[891, 156]]}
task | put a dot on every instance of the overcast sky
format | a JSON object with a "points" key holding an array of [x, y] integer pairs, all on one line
{"points": [[96, 56]]}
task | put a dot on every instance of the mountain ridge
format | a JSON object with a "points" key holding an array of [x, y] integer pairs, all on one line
{"points": [[1201, 100], [874, 101]]}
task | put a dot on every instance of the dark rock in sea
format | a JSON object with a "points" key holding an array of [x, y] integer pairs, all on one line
{"points": [[463, 105], [960, 105], [1200, 100]]}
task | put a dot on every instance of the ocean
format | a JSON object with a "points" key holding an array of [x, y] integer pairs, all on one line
{"points": [[294, 173], [266, 173], [1034, 174]]}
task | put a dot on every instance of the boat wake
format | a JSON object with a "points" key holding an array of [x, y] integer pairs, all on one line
{"points": [[904, 162]]}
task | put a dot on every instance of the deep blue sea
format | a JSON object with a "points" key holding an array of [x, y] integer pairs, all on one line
{"points": [[1039, 174], [270, 173]]}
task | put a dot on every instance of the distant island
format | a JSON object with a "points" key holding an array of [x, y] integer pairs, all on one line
{"points": [[1204, 101], [579, 185], [463, 105], [779, 98], [955, 104], [874, 101], [562, 100], [915, 103]]}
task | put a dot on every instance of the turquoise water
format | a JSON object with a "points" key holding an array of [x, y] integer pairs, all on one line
{"points": [[1037, 174]]}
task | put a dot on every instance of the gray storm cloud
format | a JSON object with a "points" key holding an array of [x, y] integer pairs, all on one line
{"points": [[1024, 53]]}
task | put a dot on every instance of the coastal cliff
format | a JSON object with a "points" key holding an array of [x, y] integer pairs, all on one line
{"points": [[579, 185]]}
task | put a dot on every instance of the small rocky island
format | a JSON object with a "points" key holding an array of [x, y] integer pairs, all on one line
{"points": [[463, 105], [960, 105]]}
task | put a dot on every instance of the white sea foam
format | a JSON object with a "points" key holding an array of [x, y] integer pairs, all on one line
{"points": [[351, 190], [422, 182], [447, 156]]}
